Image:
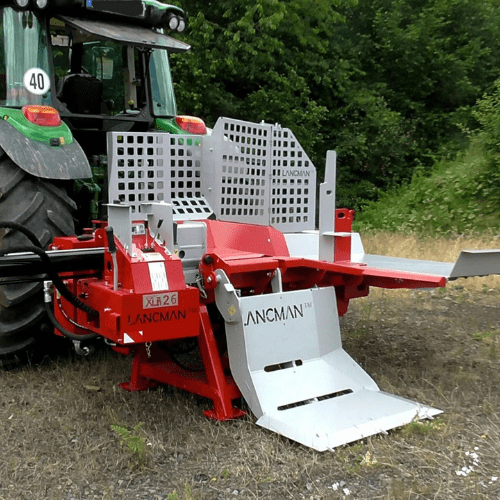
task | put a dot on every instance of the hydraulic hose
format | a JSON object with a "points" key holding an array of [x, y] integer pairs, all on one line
{"points": [[37, 249], [66, 333], [54, 277], [29, 234]]}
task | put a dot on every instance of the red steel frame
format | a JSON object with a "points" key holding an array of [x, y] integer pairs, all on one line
{"points": [[212, 383], [250, 255]]}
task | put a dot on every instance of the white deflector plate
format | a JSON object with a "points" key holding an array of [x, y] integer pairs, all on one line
{"points": [[286, 356]]}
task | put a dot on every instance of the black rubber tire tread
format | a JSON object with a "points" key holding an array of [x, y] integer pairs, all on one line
{"points": [[42, 206]]}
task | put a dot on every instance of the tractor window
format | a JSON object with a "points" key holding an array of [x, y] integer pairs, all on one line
{"points": [[89, 71], [161, 85], [97, 75], [104, 61], [109, 73], [24, 64]]}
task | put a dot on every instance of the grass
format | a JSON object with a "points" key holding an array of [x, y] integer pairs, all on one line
{"points": [[439, 248]]}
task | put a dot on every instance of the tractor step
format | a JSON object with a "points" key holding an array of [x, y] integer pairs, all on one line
{"points": [[286, 357]]}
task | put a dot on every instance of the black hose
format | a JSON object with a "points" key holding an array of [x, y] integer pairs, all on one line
{"points": [[66, 317], [52, 274], [29, 234], [66, 333]]}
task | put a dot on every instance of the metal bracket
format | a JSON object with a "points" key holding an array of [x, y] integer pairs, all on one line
{"points": [[226, 298]]}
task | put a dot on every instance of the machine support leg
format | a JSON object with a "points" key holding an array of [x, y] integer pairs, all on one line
{"points": [[212, 383], [223, 386], [137, 381]]}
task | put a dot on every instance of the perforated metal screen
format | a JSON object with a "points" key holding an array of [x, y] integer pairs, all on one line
{"points": [[239, 181], [157, 167], [293, 192], [244, 172]]}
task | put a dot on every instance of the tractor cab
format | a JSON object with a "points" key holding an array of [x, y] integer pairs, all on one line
{"points": [[100, 72], [108, 78], [71, 72], [24, 47]]}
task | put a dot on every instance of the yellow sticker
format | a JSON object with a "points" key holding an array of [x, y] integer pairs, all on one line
{"points": [[231, 310]]}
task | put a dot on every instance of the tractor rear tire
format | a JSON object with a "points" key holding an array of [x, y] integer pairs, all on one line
{"points": [[42, 206]]}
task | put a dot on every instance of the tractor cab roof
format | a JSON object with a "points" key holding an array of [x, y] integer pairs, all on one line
{"points": [[126, 33], [131, 22]]}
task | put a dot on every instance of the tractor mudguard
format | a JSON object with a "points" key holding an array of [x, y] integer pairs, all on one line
{"points": [[42, 160]]}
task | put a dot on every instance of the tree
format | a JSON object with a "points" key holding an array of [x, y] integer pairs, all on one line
{"points": [[384, 82], [263, 60]]}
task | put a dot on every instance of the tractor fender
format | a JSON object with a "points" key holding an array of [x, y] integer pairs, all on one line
{"points": [[42, 160]]}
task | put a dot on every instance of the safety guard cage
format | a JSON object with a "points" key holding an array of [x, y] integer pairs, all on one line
{"points": [[243, 172]]}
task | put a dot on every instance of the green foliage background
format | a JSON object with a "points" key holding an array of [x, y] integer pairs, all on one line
{"points": [[458, 197], [389, 84]]}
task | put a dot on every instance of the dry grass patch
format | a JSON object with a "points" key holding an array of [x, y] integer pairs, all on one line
{"points": [[437, 249]]}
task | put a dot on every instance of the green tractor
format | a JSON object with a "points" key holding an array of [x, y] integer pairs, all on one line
{"points": [[70, 72]]}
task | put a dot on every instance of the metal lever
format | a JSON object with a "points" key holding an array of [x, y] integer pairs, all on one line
{"points": [[112, 251], [146, 230]]}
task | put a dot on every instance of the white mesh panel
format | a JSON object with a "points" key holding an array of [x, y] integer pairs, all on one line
{"points": [[240, 180], [244, 172], [293, 189], [157, 167], [191, 208], [137, 173]]}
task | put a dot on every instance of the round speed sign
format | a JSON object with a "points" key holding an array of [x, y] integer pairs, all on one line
{"points": [[36, 81]]}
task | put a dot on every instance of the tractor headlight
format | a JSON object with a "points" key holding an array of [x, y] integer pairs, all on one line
{"points": [[22, 3], [41, 4], [182, 25], [172, 21]]}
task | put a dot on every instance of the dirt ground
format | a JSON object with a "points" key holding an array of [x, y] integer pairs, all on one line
{"points": [[68, 432]]}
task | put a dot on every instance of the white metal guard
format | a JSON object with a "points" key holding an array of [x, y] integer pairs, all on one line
{"points": [[244, 172], [156, 167], [302, 384]]}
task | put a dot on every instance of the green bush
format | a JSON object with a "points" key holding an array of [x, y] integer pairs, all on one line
{"points": [[459, 197], [487, 112]]}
